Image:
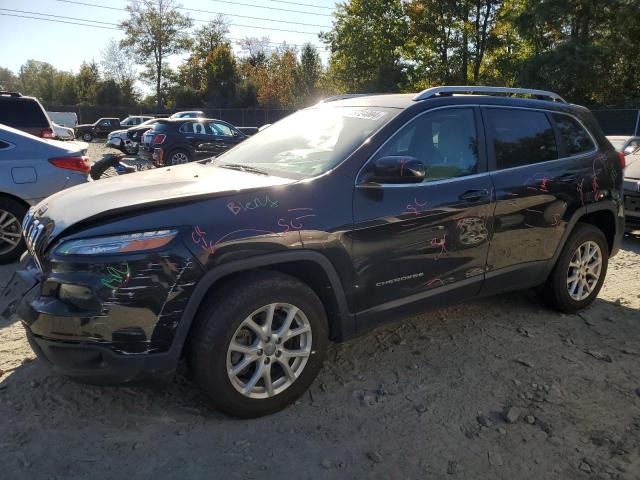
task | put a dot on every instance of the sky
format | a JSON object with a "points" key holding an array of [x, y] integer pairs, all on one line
{"points": [[66, 45]]}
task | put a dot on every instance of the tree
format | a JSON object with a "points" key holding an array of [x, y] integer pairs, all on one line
{"points": [[108, 93], [365, 45], [37, 79], [277, 81], [210, 36], [87, 82], [220, 77], [154, 32], [65, 89], [309, 73], [193, 73], [8, 80], [117, 65]]}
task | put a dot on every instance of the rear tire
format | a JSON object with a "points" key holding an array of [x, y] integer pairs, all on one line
{"points": [[217, 364], [177, 157], [11, 215], [580, 270]]}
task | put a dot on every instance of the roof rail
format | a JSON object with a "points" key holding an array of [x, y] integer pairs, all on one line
{"points": [[10, 94], [439, 91], [345, 96]]}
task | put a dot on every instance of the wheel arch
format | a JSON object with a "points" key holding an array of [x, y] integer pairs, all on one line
{"points": [[603, 215], [310, 267], [15, 198]]}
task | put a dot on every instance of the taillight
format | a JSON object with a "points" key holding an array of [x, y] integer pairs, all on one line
{"points": [[47, 133], [623, 161], [159, 138], [77, 164]]}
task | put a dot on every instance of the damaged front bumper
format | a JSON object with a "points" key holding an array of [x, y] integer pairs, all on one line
{"points": [[110, 321]]}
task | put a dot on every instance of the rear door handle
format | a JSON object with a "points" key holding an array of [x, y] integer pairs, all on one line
{"points": [[474, 195]]}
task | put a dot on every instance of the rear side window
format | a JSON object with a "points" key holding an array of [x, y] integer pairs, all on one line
{"points": [[521, 137], [22, 114], [575, 138]]}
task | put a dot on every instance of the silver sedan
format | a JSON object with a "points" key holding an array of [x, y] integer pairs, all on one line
{"points": [[31, 169]]}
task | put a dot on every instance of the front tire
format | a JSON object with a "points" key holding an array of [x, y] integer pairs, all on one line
{"points": [[580, 270], [259, 344], [87, 137], [11, 242]]}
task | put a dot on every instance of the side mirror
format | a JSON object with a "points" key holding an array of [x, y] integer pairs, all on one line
{"points": [[397, 169]]}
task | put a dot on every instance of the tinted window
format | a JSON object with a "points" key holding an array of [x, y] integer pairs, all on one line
{"points": [[521, 137], [575, 138], [22, 114], [3, 145], [445, 141]]}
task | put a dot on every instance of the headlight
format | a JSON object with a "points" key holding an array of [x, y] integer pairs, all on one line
{"points": [[134, 242]]}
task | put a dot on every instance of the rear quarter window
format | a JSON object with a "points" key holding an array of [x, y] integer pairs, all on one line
{"points": [[22, 113], [520, 137], [575, 138]]}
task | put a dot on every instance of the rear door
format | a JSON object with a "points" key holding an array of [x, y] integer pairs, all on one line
{"points": [[427, 241], [543, 164]]}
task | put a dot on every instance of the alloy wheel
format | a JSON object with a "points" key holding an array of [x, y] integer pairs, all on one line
{"points": [[179, 158], [9, 232], [584, 270], [269, 350]]}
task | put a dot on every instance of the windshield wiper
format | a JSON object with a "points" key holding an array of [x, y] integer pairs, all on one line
{"points": [[244, 168]]}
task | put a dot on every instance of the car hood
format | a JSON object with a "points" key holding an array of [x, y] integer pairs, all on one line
{"points": [[192, 181], [117, 132]]}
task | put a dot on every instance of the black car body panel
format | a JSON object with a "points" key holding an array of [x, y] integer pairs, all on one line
{"points": [[101, 128], [368, 249]]}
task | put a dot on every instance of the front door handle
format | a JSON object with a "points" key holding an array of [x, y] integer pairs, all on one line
{"points": [[475, 195]]}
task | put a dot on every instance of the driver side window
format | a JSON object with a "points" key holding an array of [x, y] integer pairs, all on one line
{"points": [[445, 141]]}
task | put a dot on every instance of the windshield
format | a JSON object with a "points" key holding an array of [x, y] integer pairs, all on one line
{"points": [[308, 142]]}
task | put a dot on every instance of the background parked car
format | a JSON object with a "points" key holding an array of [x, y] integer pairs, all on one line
{"points": [[62, 133], [30, 170], [25, 113], [99, 129], [188, 114], [133, 120], [630, 146], [64, 119], [176, 141], [127, 140]]}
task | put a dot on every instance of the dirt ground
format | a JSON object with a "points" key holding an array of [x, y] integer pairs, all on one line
{"points": [[500, 388]]}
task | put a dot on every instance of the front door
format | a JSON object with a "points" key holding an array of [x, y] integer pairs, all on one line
{"points": [[424, 242]]}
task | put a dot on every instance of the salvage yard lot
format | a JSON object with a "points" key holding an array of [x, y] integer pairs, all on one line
{"points": [[427, 398]]}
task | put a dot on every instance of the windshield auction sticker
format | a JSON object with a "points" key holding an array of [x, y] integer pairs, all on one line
{"points": [[365, 114]]}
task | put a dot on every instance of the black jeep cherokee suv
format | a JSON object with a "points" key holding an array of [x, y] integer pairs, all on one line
{"points": [[336, 219]]}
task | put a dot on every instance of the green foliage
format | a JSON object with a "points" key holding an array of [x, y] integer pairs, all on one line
{"points": [[154, 32], [108, 93], [220, 77], [365, 44], [8, 80], [87, 82]]}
